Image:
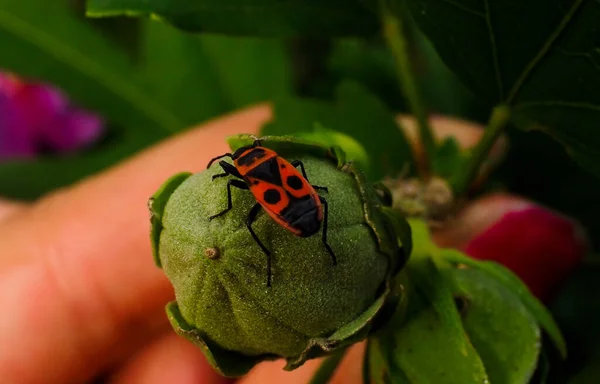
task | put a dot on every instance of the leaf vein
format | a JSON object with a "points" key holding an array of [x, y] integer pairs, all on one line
{"points": [[543, 50], [290, 6], [465, 8], [557, 103], [495, 59], [585, 55]]}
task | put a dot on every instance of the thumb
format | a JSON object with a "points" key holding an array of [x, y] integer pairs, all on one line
{"points": [[8, 208]]}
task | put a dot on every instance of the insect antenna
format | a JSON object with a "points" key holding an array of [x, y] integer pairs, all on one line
{"points": [[219, 157]]}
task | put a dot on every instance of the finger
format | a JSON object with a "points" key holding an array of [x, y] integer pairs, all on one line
{"points": [[9, 208], [117, 192], [272, 372], [348, 372], [169, 359], [86, 278]]}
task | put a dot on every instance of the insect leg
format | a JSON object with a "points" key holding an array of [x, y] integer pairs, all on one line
{"points": [[236, 183], [297, 163], [217, 158], [326, 214], [251, 217], [229, 170]]}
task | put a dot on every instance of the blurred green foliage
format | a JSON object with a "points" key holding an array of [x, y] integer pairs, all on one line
{"points": [[538, 57], [150, 81], [251, 17], [160, 82]]}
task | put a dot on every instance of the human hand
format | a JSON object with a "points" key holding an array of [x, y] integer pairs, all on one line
{"points": [[82, 295]]}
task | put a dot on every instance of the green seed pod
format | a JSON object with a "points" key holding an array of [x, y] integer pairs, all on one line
{"points": [[219, 272]]}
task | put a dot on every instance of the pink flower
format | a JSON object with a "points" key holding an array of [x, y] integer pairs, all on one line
{"points": [[35, 117], [540, 246]]}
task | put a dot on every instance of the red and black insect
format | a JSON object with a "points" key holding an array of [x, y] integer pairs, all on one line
{"points": [[284, 193]]}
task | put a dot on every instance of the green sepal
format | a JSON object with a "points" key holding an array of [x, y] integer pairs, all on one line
{"points": [[209, 289], [475, 325], [499, 325], [286, 146], [227, 363], [156, 205], [374, 219], [346, 335], [391, 301], [512, 282], [352, 149], [403, 233]]}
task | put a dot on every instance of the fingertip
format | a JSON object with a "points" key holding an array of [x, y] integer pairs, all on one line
{"points": [[8, 208], [272, 372], [348, 372], [350, 369], [93, 240], [169, 359]]}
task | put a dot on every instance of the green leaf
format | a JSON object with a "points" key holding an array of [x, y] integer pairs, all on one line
{"points": [[423, 350], [379, 354], [448, 159], [358, 114], [501, 328], [433, 285], [590, 374], [179, 81], [47, 41], [201, 76], [577, 310], [353, 150], [511, 282], [225, 362], [431, 331], [501, 335], [251, 17], [541, 58], [475, 325], [157, 204]]}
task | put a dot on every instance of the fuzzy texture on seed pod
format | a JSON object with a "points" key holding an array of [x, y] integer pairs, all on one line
{"points": [[219, 272]]}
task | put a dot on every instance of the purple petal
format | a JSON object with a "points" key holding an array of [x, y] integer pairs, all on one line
{"points": [[40, 104], [16, 140], [9, 83], [36, 116], [72, 130]]}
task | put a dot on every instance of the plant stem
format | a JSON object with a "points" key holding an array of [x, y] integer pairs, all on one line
{"points": [[498, 120], [394, 34]]}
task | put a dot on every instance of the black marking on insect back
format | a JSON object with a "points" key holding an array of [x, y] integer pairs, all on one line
{"points": [[307, 224], [302, 214], [252, 156], [272, 196], [238, 152], [294, 182], [267, 171]]}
